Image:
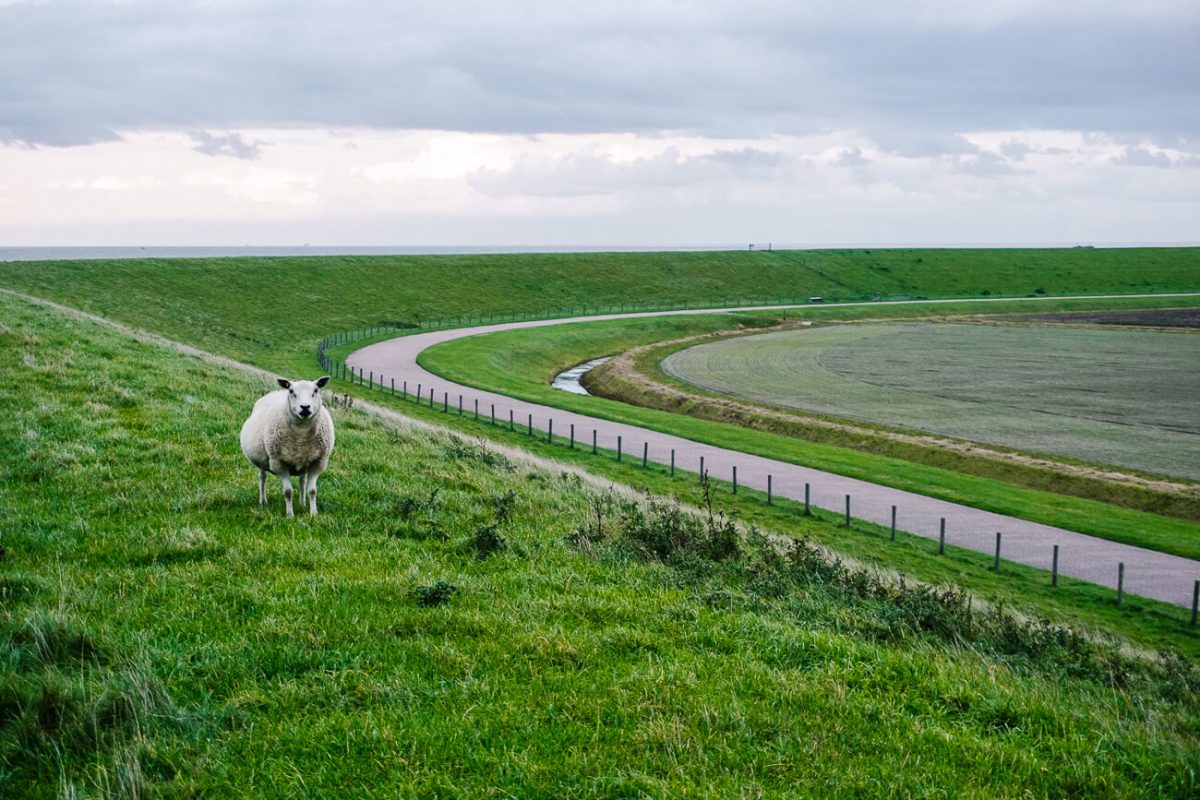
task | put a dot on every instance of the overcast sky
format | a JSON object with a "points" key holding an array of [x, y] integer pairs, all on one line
{"points": [[605, 123]]}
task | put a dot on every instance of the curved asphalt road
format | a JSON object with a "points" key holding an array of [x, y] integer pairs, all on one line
{"points": [[1147, 573]]}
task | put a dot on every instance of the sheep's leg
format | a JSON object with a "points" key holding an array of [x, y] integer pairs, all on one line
{"points": [[311, 493], [285, 478], [262, 487]]}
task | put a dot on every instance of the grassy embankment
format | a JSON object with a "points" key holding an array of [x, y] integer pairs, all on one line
{"points": [[521, 362], [163, 635], [271, 311]]}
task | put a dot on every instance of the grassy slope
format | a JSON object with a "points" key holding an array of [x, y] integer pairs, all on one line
{"points": [[270, 311], [521, 363], [161, 633]]}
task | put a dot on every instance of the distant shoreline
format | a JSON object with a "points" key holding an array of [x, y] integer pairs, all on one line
{"points": [[86, 253]]}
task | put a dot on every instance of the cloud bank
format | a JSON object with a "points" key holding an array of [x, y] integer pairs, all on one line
{"points": [[912, 75]]}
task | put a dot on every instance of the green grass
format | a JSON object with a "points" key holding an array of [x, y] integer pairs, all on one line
{"points": [[521, 362], [271, 311], [1125, 397], [163, 635]]}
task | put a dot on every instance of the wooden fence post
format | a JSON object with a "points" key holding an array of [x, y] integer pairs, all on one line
{"points": [[1054, 568], [893, 523], [1120, 583], [847, 511], [996, 563], [942, 537]]}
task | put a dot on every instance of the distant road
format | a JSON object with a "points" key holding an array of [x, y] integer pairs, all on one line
{"points": [[1147, 573]]}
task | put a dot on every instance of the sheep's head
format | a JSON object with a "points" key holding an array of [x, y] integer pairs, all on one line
{"points": [[304, 397]]}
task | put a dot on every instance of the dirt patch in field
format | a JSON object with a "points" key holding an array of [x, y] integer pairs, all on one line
{"points": [[1150, 318], [622, 379]]}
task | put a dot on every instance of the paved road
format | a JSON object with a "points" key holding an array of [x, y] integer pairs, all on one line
{"points": [[1147, 573]]}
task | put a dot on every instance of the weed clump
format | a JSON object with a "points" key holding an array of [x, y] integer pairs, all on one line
{"points": [[476, 452], [488, 541], [423, 513], [434, 595], [666, 531]]}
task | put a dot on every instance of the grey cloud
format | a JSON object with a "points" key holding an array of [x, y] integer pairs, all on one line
{"points": [[1141, 157], [852, 157], [1015, 150], [231, 144], [77, 71], [985, 165], [923, 143]]}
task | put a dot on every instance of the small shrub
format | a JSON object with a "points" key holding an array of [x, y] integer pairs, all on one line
{"points": [[666, 531], [502, 506], [488, 541], [408, 507], [434, 595]]}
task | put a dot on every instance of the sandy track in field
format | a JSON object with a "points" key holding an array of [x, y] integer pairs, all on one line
{"points": [[1148, 573]]}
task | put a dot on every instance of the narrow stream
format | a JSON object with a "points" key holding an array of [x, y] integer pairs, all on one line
{"points": [[568, 381]]}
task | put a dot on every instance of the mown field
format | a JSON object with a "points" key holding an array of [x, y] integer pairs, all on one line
{"points": [[458, 623], [1123, 397]]}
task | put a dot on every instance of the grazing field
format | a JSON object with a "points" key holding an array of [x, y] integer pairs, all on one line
{"points": [[459, 623], [1129, 398]]}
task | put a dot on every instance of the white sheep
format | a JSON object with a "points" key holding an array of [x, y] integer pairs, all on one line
{"points": [[290, 432]]}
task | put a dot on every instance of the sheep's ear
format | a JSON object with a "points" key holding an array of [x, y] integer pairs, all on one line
{"points": [[321, 381], [284, 382]]}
